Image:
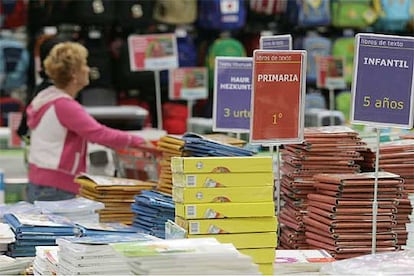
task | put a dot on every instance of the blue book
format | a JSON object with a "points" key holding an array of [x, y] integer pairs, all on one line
{"points": [[105, 228], [25, 223]]}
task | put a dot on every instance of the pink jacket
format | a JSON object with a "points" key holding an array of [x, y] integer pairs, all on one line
{"points": [[60, 129]]}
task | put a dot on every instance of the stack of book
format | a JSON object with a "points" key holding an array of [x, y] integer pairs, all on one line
{"points": [[6, 237], [15, 266], [192, 144], [94, 254], [301, 261], [78, 209], [33, 230], [339, 216], [410, 226], [330, 149], [230, 199], [117, 194], [170, 146], [185, 257], [152, 210], [46, 260], [398, 157]]}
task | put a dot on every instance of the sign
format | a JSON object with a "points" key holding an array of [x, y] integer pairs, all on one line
{"points": [[382, 91], [232, 94], [14, 119], [279, 82], [330, 72], [152, 52], [188, 83], [276, 42]]}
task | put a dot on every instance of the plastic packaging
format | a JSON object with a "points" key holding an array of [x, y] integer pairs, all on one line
{"points": [[388, 263]]}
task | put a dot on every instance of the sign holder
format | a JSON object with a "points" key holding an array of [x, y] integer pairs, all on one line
{"points": [[330, 75], [382, 91], [277, 105], [153, 52], [188, 83]]}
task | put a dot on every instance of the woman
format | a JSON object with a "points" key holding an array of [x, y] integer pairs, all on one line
{"points": [[60, 128]]}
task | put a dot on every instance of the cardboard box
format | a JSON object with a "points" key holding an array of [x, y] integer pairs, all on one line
{"points": [[221, 164], [212, 195], [219, 180], [228, 225], [244, 240], [225, 210]]}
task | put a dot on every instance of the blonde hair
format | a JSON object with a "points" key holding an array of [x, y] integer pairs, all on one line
{"points": [[63, 61]]}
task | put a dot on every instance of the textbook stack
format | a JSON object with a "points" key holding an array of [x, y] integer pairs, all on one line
{"points": [[191, 144], [46, 260], [33, 230], [94, 254], [230, 199], [6, 237], [410, 226], [340, 213], [152, 210], [117, 194], [204, 256], [78, 209], [169, 145], [398, 157], [330, 149], [14, 266]]}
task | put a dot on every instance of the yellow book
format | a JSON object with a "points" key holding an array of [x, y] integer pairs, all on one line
{"points": [[234, 194], [228, 225], [260, 255], [212, 180], [266, 268], [221, 164], [225, 210], [244, 240], [103, 182]]}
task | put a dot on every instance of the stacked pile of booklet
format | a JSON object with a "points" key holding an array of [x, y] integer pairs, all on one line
{"points": [[191, 144], [46, 260], [152, 210], [6, 237], [95, 255], [14, 266], [340, 218], [330, 149], [185, 257], [78, 209], [34, 229], [301, 261], [117, 194], [398, 157], [410, 226], [169, 145]]}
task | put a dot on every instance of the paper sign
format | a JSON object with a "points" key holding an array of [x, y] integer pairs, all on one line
{"points": [[232, 94], [276, 42], [330, 72], [152, 52], [279, 80], [14, 119], [188, 83], [382, 91]]}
